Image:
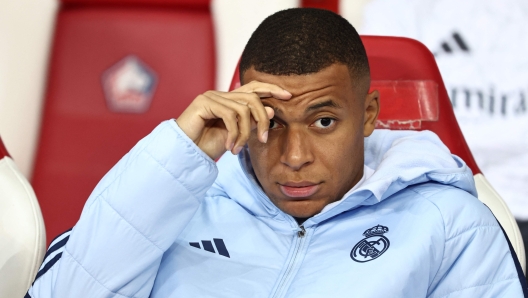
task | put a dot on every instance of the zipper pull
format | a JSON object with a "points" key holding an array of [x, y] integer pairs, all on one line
{"points": [[301, 232]]}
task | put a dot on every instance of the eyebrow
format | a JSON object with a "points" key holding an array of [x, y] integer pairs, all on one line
{"points": [[329, 103]]}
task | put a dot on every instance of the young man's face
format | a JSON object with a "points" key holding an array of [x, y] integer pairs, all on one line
{"points": [[314, 153]]}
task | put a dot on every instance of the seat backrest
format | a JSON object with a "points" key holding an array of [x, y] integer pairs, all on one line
{"points": [[413, 96], [22, 232], [117, 69]]}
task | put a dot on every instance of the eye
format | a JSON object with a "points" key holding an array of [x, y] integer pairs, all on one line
{"points": [[273, 124], [324, 122]]}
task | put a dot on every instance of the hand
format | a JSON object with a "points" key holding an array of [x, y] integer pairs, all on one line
{"points": [[220, 121]]}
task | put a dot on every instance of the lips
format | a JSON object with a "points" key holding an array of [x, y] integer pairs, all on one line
{"points": [[298, 189]]}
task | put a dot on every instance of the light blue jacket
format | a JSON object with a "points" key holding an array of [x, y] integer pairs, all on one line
{"points": [[167, 221]]}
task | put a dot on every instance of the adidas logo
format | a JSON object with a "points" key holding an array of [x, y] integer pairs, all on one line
{"points": [[455, 42], [208, 246]]}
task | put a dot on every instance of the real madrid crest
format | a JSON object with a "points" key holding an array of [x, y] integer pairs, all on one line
{"points": [[373, 246]]}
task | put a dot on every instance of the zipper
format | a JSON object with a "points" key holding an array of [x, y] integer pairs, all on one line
{"points": [[301, 232], [299, 240]]}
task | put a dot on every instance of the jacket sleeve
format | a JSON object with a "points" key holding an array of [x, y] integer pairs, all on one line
{"points": [[131, 218], [477, 258]]}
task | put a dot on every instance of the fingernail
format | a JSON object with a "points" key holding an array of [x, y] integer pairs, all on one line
{"points": [[230, 146], [265, 137], [237, 150], [287, 92]]}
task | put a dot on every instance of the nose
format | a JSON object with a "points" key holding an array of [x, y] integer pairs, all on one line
{"points": [[296, 150]]}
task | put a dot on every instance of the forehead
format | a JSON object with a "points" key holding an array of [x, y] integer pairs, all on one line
{"points": [[334, 79]]}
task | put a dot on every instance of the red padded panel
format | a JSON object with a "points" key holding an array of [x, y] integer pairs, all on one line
{"points": [[396, 94], [3, 150], [81, 139], [402, 59], [332, 5], [195, 4]]}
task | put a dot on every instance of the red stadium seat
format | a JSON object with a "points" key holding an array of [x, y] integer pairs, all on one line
{"points": [[118, 68], [22, 233], [413, 96], [332, 5]]}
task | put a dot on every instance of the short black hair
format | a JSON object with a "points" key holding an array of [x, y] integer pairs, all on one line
{"points": [[301, 41]]}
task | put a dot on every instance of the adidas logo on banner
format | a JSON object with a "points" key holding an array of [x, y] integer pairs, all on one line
{"points": [[454, 43], [208, 246]]}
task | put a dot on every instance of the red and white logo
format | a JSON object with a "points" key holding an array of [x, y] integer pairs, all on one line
{"points": [[129, 86]]}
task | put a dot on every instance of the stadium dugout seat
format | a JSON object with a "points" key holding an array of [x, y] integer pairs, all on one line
{"points": [[117, 69], [413, 96], [22, 233], [332, 5]]}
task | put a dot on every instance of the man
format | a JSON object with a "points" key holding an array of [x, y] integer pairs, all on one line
{"points": [[312, 202]]}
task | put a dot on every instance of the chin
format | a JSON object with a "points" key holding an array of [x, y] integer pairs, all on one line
{"points": [[301, 209]]}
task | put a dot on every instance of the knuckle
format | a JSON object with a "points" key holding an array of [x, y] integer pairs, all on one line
{"points": [[231, 129], [253, 99], [231, 114], [245, 110], [264, 123], [244, 135]]}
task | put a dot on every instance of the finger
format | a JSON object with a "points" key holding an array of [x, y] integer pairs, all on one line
{"points": [[264, 90], [269, 111], [258, 112], [243, 116], [228, 116]]}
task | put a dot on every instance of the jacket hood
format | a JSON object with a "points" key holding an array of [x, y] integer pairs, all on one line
{"points": [[399, 159]]}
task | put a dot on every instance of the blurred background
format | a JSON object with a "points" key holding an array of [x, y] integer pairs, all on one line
{"points": [[75, 74]]}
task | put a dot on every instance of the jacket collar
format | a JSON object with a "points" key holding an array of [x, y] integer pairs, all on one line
{"points": [[399, 159]]}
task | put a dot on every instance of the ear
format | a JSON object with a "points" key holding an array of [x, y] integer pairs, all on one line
{"points": [[372, 109]]}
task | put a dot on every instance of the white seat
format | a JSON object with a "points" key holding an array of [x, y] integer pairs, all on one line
{"points": [[493, 200], [22, 233]]}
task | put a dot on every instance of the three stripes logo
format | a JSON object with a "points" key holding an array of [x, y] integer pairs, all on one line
{"points": [[208, 246], [52, 256], [454, 43]]}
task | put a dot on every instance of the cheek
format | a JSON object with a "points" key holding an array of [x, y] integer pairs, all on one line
{"points": [[260, 159], [341, 153], [265, 158]]}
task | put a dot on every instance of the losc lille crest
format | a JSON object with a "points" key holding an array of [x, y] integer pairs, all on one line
{"points": [[129, 86], [373, 246]]}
